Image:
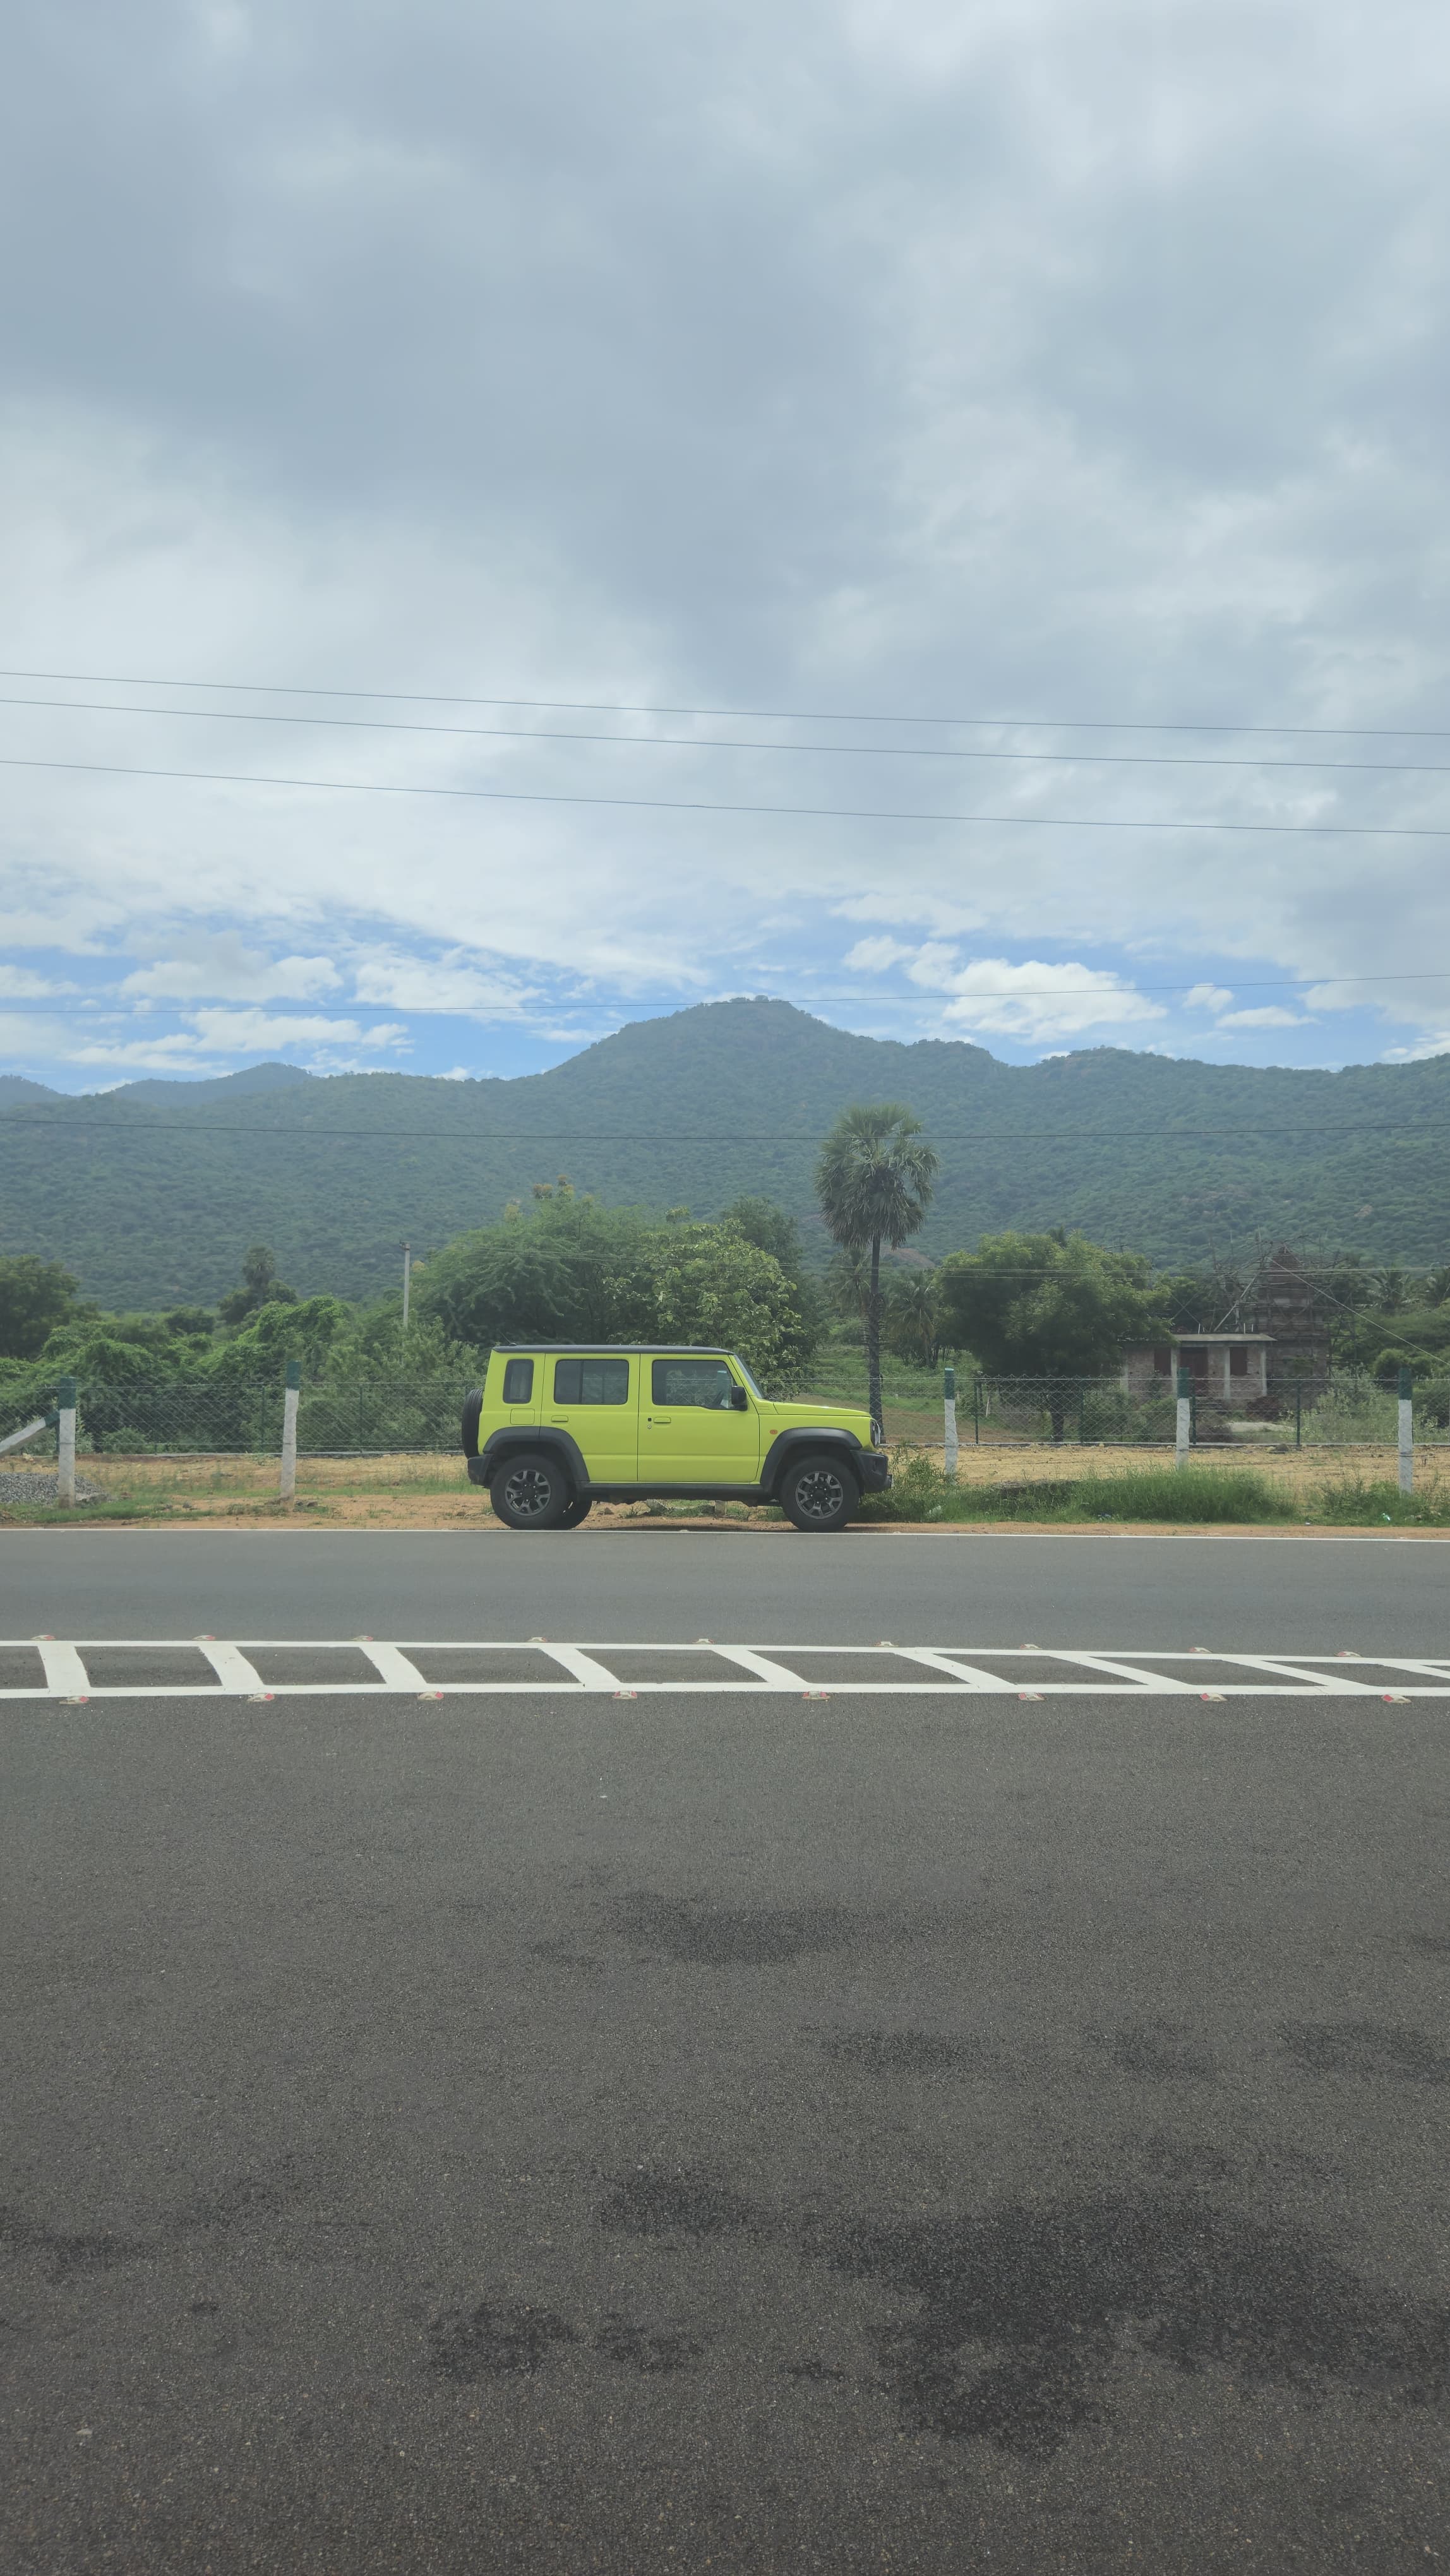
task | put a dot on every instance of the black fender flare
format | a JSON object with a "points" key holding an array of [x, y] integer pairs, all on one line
{"points": [[519, 1436], [787, 1444]]}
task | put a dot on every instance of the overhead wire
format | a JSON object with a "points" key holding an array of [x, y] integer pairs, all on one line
{"points": [[693, 742], [713, 805], [776, 715]]}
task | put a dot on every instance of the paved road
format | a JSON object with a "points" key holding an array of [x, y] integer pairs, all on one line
{"points": [[723, 2134], [1271, 1595]]}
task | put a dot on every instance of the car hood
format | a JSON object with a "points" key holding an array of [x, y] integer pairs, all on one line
{"points": [[846, 1417]]}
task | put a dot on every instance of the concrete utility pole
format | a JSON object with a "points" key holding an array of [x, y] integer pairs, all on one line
{"points": [[1184, 1423], [949, 1427], [407, 1281]]}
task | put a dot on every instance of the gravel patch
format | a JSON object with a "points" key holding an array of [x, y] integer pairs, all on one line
{"points": [[43, 1489]]}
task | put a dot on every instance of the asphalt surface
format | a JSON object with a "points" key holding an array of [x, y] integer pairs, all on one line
{"points": [[1275, 1595], [720, 2134]]}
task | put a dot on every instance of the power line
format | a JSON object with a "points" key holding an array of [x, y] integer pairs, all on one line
{"points": [[707, 805], [109, 1007], [764, 715], [691, 742], [55, 1122]]}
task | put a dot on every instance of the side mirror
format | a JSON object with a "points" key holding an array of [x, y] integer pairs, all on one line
{"points": [[739, 1400]]}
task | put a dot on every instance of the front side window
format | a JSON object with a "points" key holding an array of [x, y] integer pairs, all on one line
{"points": [[707, 1383], [518, 1382], [591, 1381]]}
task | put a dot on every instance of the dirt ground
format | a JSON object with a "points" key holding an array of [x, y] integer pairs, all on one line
{"points": [[430, 1492]]}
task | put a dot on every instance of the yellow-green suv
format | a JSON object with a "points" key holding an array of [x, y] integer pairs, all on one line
{"points": [[557, 1426]]}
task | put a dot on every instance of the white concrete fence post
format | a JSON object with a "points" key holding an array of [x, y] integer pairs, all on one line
{"points": [[1407, 1433], [288, 1486], [949, 1430], [1183, 1431], [65, 1447]]}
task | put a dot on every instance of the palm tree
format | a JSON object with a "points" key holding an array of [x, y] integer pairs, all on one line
{"points": [[874, 1184]]}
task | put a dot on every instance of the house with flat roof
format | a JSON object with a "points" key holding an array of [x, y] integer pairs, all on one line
{"points": [[1233, 1368]]}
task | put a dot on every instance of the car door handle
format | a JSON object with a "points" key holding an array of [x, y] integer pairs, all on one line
{"points": [[659, 1417]]}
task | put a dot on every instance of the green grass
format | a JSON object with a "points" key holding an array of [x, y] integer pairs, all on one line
{"points": [[920, 1492], [1358, 1501]]}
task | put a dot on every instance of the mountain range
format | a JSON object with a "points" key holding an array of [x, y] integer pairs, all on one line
{"points": [[151, 1192]]}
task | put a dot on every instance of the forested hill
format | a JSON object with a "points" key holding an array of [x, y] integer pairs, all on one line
{"points": [[151, 1193]]}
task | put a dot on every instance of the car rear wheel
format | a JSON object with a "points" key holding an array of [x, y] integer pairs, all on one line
{"points": [[819, 1493], [531, 1492], [575, 1510]]}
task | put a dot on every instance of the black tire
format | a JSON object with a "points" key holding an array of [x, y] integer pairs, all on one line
{"points": [[471, 1412], [818, 1492], [531, 1491], [575, 1510]]}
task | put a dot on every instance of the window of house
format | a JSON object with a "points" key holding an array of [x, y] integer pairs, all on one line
{"points": [[1195, 1361], [518, 1381], [704, 1382], [591, 1381], [1163, 1359], [1238, 1362]]}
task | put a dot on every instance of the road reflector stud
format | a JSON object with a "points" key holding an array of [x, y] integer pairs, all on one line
{"points": [[626, 1694], [257, 1699], [77, 1699], [430, 1694], [885, 1641], [1399, 1698], [538, 1641], [1029, 1694], [1210, 1694], [815, 1694]]}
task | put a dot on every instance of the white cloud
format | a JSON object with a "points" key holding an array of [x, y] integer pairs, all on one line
{"points": [[1032, 1000], [876, 358], [19, 984], [216, 966], [1268, 1016], [451, 982], [1439, 1044], [1207, 997]]}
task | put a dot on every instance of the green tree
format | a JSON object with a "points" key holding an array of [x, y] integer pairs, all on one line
{"points": [[1050, 1306], [713, 1285], [260, 1287], [772, 1230], [35, 1298], [912, 1322], [874, 1183], [566, 1271]]}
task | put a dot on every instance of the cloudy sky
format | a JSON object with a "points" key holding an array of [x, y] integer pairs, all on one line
{"points": [[935, 511]]}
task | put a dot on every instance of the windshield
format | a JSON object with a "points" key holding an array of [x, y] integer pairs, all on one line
{"points": [[737, 1362]]}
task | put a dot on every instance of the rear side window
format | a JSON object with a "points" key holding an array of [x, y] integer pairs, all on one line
{"points": [[518, 1381], [591, 1381], [704, 1382]]}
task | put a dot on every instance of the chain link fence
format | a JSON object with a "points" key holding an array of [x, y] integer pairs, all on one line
{"points": [[152, 1416], [1099, 1412]]}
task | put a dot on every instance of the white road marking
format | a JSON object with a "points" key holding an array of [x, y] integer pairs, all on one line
{"points": [[582, 1668], [947, 1671], [776, 1676], [64, 1671], [230, 1666], [393, 1665]]}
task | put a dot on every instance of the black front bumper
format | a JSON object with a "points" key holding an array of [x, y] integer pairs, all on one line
{"points": [[874, 1469]]}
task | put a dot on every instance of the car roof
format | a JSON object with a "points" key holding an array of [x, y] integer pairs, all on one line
{"points": [[640, 1350]]}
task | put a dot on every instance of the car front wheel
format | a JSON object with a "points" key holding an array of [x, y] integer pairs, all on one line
{"points": [[819, 1494], [531, 1492]]}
